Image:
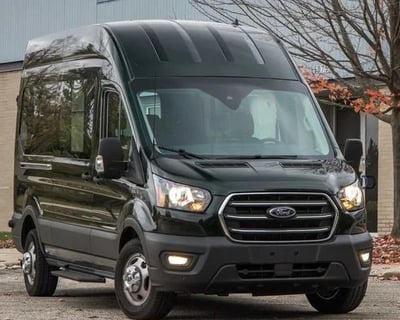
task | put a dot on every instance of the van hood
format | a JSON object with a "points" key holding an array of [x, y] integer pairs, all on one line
{"points": [[222, 177]]}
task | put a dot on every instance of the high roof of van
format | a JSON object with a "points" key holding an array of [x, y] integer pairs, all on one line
{"points": [[167, 48]]}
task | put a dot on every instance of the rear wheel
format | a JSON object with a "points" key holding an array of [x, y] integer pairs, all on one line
{"points": [[37, 273], [339, 300], [136, 296]]}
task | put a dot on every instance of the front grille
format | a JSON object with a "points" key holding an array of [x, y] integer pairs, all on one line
{"points": [[245, 217], [268, 271]]}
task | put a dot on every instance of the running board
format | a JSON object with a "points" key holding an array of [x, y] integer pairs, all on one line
{"points": [[78, 276]]}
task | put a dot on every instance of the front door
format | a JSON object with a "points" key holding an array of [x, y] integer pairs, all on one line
{"points": [[114, 194]]}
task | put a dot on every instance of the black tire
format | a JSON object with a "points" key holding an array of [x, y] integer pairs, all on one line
{"points": [[341, 300], [136, 296], [38, 278]]}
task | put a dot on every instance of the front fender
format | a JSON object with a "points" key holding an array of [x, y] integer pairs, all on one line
{"points": [[137, 216]]}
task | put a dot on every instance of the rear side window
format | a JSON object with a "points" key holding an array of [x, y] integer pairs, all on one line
{"points": [[57, 117]]}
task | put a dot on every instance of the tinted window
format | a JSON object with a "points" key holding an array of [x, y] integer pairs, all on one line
{"points": [[233, 117], [57, 116], [117, 124]]}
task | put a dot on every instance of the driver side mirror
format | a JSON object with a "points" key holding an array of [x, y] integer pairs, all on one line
{"points": [[109, 162], [353, 151]]}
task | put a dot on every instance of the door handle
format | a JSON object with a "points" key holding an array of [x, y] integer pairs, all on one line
{"points": [[86, 176]]}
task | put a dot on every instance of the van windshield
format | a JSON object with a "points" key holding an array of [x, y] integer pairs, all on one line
{"points": [[232, 118]]}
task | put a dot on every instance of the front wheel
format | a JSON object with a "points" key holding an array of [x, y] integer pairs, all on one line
{"points": [[136, 296], [37, 273], [339, 300]]}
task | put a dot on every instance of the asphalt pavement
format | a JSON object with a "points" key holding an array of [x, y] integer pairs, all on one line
{"points": [[74, 300]]}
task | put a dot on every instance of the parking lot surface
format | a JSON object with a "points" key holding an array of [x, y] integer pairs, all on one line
{"points": [[97, 301]]}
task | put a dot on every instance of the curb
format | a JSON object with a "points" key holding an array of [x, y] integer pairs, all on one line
{"points": [[9, 259], [386, 271]]}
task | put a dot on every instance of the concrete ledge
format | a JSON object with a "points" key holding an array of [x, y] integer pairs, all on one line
{"points": [[386, 271], [9, 258]]}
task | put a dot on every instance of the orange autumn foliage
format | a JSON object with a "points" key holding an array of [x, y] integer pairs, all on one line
{"points": [[374, 101]]}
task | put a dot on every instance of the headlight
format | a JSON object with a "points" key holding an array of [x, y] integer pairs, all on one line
{"points": [[351, 197], [178, 196]]}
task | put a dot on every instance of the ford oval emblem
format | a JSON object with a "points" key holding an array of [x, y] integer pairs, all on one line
{"points": [[282, 212]]}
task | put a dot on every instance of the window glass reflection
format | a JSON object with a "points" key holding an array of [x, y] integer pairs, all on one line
{"points": [[117, 121], [57, 116]]}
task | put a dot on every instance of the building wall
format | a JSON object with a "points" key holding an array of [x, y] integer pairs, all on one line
{"points": [[9, 85], [385, 181], [148, 9], [21, 20]]}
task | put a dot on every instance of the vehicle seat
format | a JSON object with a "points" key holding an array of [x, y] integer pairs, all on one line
{"points": [[242, 126], [182, 120]]}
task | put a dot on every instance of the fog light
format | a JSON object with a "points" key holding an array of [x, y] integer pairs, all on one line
{"points": [[178, 261], [175, 260], [365, 258]]}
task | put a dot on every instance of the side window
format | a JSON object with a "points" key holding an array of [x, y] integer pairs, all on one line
{"points": [[39, 114], [57, 117], [117, 123], [77, 98]]}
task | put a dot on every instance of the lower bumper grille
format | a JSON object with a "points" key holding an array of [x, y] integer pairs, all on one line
{"points": [[269, 271]]}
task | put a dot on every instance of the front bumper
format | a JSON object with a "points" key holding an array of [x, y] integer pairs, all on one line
{"points": [[219, 264]]}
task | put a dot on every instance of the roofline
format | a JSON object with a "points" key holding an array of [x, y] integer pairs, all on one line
{"points": [[11, 66]]}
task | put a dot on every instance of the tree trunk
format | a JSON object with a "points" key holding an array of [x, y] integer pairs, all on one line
{"points": [[396, 172]]}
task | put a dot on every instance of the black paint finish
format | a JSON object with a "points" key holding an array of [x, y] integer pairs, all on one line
{"points": [[83, 220]]}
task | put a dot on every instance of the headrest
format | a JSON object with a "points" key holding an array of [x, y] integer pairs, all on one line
{"points": [[242, 124]]}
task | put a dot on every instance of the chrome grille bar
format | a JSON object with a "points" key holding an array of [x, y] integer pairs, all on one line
{"points": [[246, 217], [314, 230], [265, 217], [278, 203]]}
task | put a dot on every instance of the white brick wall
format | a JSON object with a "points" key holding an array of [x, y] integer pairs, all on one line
{"points": [[385, 179], [9, 86]]}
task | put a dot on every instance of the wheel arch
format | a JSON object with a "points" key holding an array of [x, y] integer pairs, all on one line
{"points": [[27, 225], [30, 221], [131, 230]]}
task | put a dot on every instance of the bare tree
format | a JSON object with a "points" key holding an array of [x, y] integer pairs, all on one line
{"points": [[357, 38]]}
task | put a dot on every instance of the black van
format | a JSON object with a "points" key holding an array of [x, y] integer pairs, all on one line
{"points": [[182, 157]]}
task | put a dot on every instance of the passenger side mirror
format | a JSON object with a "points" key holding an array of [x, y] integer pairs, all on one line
{"points": [[368, 182], [353, 151], [109, 162]]}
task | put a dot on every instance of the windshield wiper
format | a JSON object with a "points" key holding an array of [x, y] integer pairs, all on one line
{"points": [[182, 152]]}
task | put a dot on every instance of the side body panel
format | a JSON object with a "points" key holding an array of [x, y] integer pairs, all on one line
{"points": [[78, 212]]}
